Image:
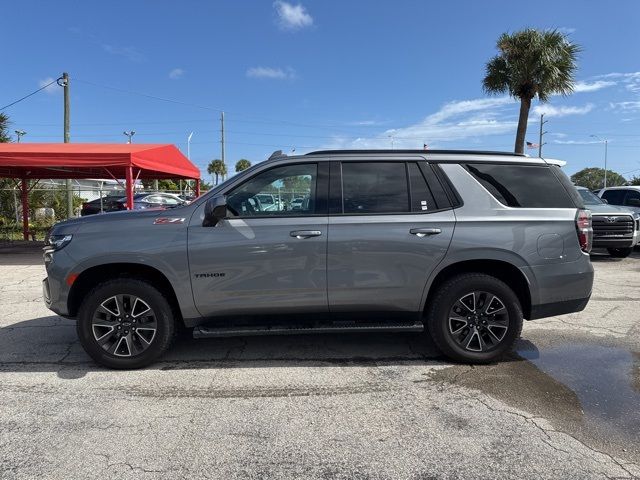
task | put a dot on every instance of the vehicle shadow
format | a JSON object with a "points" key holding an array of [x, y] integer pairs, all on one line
{"points": [[601, 255], [50, 344]]}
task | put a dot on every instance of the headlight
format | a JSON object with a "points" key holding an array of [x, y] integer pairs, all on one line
{"points": [[56, 242]]}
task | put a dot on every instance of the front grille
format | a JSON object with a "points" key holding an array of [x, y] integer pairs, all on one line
{"points": [[612, 226]]}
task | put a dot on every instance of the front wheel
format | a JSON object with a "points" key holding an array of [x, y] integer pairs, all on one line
{"points": [[620, 252], [474, 318], [125, 323]]}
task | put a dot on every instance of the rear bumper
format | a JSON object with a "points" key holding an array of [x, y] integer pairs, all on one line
{"points": [[558, 308], [557, 289]]}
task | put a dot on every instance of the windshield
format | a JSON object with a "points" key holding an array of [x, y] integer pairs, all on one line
{"points": [[589, 197]]}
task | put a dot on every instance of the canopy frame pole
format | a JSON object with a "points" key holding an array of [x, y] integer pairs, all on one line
{"points": [[117, 180], [197, 187], [129, 187], [24, 188]]}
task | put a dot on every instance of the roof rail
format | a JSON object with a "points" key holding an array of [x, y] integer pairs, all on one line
{"points": [[439, 152]]}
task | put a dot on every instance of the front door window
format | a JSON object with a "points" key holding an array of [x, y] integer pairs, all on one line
{"points": [[281, 191]]}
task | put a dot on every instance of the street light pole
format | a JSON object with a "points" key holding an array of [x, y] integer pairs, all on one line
{"points": [[189, 158], [606, 145], [20, 133], [130, 135], [189, 145]]}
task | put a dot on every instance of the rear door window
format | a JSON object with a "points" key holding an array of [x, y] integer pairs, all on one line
{"points": [[614, 197], [632, 199], [374, 187], [523, 186]]}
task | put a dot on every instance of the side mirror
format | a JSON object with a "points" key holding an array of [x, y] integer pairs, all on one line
{"points": [[633, 202], [214, 210], [604, 200]]}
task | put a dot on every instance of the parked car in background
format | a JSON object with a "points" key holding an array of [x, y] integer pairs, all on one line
{"points": [[141, 201], [463, 245], [110, 203], [188, 198], [297, 203], [268, 201], [626, 196], [615, 228]]}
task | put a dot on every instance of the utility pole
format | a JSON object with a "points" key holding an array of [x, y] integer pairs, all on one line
{"points": [[222, 139], [67, 135], [540, 143]]}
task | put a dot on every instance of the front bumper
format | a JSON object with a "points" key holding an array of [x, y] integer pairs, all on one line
{"points": [[604, 242], [55, 290]]}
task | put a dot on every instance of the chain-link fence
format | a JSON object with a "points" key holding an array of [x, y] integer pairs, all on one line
{"points": [[48, 203]]}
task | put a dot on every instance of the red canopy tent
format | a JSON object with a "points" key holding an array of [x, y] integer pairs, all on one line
{"points": [[27, 161]]}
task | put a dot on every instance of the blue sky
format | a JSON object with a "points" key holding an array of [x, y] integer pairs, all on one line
{"points": [[316, 74]]}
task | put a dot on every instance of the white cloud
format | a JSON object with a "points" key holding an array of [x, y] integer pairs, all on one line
{"points": [[464, 120], [176, 73], [581, 87], [626, 106], [561, 111], [271, 73], [576, 142], [630, 80], [292, 17], [130, 53], [457, 120], [566, 30], [365, 123], [51, 89]]}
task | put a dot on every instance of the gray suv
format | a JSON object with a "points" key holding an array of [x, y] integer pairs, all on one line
{"points": [[461, 244]]}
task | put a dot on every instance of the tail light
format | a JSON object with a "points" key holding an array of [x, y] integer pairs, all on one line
{"points": [[584, 230]]}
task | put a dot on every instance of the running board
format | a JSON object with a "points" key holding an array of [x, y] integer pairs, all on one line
{"points": [[215, 332]]}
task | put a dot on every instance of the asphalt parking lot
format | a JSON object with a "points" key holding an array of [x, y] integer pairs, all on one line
{"points": [[566, 405]]}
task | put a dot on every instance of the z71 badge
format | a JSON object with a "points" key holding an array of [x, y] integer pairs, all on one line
{"points": [[168, 220]]}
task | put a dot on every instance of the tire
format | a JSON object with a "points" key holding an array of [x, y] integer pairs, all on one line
{"points": [[492, 333], [620, 252], [125, 305]]}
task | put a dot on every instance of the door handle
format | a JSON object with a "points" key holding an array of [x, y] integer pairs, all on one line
{"points": [[423, 232], [300, 234]]}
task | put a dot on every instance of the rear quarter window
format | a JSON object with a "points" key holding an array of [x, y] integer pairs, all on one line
{"points": [[525, 186]]}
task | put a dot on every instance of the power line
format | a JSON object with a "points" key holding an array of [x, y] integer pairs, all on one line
{"points": [[27, 96], [270, 121], [154, 97]]}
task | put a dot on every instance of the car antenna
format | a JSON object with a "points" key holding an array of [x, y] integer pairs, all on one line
{"points": [[277, 153]]}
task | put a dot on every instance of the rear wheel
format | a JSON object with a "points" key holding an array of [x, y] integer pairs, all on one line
{"points": [[474, 318], [620, 252], [125, 323]]}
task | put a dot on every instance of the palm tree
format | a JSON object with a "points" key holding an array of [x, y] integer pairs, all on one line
{"points": [[242, 164], [531, 63], [4, 128], [218, 168]]}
